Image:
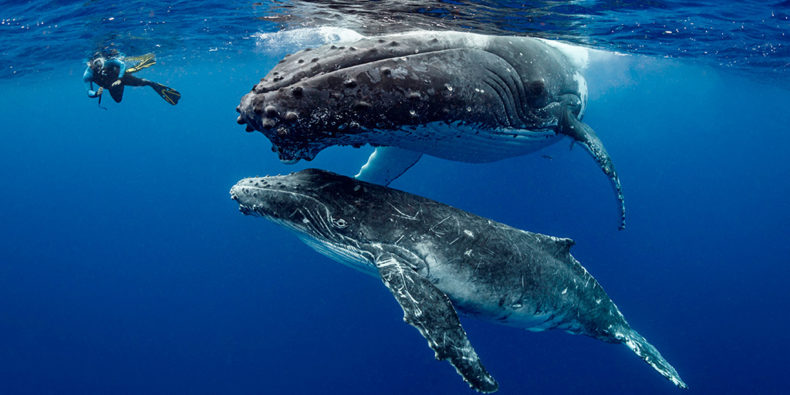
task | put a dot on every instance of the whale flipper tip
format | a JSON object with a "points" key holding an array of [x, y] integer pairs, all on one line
{"points": [[650, 354], [581, 132]]}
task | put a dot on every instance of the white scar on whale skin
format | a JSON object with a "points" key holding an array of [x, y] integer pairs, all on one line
{"points": [[438, 261]]}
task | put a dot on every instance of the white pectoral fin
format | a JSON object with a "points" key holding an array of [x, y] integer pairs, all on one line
{"points": [[430, 311], [386, 164]]}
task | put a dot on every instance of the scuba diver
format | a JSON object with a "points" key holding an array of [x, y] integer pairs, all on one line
{"points": [[112, 71]]}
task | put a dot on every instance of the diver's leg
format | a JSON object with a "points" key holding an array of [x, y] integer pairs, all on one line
{"points": [[168, 94], [131, 80], [116, 92]]}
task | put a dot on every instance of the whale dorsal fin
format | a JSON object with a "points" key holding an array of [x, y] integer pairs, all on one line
{"points": [[386, 164], [558, 247], [430, 311]]}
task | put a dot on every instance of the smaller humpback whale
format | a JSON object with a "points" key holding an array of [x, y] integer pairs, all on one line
{"points": [[458, 96], [438, 260]]}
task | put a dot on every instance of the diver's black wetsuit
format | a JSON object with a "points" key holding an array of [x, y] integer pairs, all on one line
{"points": [[106, 77]]}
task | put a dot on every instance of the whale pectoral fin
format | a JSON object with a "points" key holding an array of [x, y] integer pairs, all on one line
{"points": [[386, 164], [585, 135], [430, 311], [640, 346]]}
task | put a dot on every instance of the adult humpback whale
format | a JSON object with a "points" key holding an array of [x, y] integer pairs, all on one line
{"points": [[436, 259], [458, 96]]}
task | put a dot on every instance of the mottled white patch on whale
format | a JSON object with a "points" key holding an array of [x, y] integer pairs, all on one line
{"points": [[288, 40], [583, 93], [469, 39], [578, 56]]}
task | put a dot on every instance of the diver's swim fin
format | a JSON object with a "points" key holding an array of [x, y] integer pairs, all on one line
{"points": [[169, 94], [140, 62]]}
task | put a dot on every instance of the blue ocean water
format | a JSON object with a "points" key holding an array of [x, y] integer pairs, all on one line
{"points": [[126, 268]]}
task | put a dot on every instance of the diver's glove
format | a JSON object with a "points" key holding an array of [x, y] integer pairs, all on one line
{"points": [[99, 91], [116, 83]]}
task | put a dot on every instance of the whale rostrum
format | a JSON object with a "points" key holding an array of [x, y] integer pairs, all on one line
{"points": [[458, 96], [439, 261]]}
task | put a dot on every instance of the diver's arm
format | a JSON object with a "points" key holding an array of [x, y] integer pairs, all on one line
{"points": [[121, 66], [87, 78]]}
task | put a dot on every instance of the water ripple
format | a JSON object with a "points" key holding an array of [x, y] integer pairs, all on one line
{"points": [[750, 36]]}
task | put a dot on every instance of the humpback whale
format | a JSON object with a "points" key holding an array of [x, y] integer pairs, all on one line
{"points": [[458, 96], [438, 261]]}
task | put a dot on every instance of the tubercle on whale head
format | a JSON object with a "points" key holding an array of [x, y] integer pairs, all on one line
{"points": [[290, 139]]}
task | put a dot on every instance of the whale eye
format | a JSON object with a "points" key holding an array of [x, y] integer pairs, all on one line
{"points": [[536, 88], [339, 223]]}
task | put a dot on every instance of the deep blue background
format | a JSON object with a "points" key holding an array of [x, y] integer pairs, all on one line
{"points": [[126, 268]]}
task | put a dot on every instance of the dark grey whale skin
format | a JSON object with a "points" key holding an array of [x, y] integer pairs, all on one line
{"points": [[379, 90], [437, 259], [351, 88]]}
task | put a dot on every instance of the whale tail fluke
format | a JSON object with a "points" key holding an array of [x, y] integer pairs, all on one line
{"points": [[650, 354]]}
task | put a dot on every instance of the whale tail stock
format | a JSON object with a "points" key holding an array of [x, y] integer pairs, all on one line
{"points": [[569, 125], [650, 354]]}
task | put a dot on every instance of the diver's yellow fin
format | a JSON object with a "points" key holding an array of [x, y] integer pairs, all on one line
{"points": [[140, 62], [169, 94]]}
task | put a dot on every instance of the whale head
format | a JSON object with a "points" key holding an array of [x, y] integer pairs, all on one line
{"points": [[312, 202], [292, 139], [335, 215]]}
